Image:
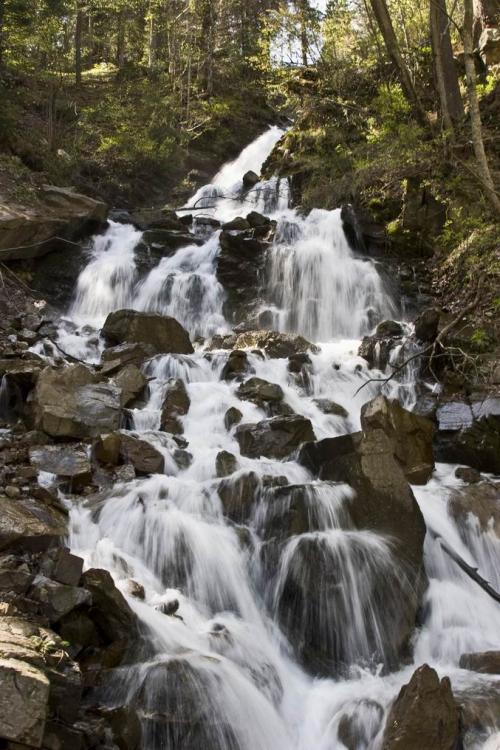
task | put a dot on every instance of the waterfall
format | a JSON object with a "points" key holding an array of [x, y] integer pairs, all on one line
{"points": [[225, 672]]}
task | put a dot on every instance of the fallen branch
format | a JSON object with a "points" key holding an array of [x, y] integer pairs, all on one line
{"points": [[467, 569], [71, 357]]}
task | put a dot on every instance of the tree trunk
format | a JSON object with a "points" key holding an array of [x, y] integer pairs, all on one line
{"points": [[474, 113], [152, 37], [452, 109], [2, 17], [78, 43], [120, 39], [384, 22], [303, 11]]}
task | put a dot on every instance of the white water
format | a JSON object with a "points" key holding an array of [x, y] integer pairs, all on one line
{"points": [[168, 531]]}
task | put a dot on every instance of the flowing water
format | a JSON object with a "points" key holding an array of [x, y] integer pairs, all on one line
{"points": [[224, 665]]}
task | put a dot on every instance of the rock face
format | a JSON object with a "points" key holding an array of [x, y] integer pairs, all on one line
{"points": [[109, 610], [31, 524], [175, 404], [274, 344], [163, 334], [239, 266], [487, 662], [61, 212], [411, 436], [24, 698], [424, 715], [70, 403], [277, 437], [469, 433]]}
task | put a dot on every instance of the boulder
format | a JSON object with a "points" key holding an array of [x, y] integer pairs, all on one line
{"points": [[176, 404], [109, 610], [255, 219], [468, 475], [31, 525], [238, 224], [376, 349], [60, 565], [330, 407], [410, 435], [136, 589], [469, 433], [163, 334], [268, 396], [225, 464], [250, 179], [238, 496], [277, 437], [15, 575], [125, 726], [489, 44], [424, 715], [60, 213], [232, 417], [114, 358], [154, 218], [236, 367], [275, 345], [71, 462], [388, 328], [58, 599], [143, 456], [479, 500], [486, 662], [427, 324], [24, 700], [22, 371], [359, 726], [131, 382], [69, 403], [239, 266]]}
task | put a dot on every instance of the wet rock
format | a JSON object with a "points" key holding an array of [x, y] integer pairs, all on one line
{"points": [[232, 417], [109, 611], [239, 265], [236, 367], [169, 240], [169, 608], [427, 324], [57, 599], [175, 404], [106, 449], [163, 334], [63, 567], [71, 462], [376, 349], [143, 456], [136, 589], [154, 218], [238, 224], [424, 715], [22, 371], [15, 575], [297, 362], [30, 524], [359, 726], [479, 500], [24, 698], [131, 382], [469, 433], [486, 662], [239, 495], [275, 345], [114, 358], [69, 403], [479, 704], [468, 475], [250, 179], [331, 408], [255, 219], [388, 328], [125, 726], [268, 396], [79, 631], [225, 464], [277, 437], [410, 435]]}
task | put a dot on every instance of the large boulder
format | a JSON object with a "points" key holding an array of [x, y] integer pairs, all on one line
{"points": [[114, 358], [250, 179], [268, 396], [486, 662], [71, 462], [69, 403], [237, 366], [410, 435], [274, 344], [131, 382], [24, 700], [163, 334], [277, 437], [424, 715], [35, 231], [427, 324], [239, 267], [469, 433], [129, 448], [175, 404], [29, 524], [377, 348], [109, 610]]}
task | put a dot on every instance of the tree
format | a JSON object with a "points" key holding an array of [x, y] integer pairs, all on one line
{"points": [[384, 22], [78, 43], [474, 112], [451, 105]]}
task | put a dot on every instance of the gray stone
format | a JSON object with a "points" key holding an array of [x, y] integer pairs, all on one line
{"points": [[67, 461], [164, 334], [24, 698], [277, 437]]}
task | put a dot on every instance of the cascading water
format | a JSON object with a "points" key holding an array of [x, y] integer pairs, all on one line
{"points": [[224, 673]]}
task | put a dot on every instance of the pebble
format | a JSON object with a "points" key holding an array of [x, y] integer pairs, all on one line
{"points": [[12, 491]]}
